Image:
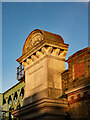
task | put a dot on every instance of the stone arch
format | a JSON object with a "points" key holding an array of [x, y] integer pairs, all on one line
{"points": [[28, 40]]}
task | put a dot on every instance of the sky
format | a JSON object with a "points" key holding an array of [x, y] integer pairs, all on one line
{"points": [[19, 19]]}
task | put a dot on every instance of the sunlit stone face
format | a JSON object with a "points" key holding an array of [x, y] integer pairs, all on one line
{"points": [[43, 60]]}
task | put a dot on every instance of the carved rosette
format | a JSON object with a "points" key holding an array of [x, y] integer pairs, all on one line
{"points": [[32, 41]]}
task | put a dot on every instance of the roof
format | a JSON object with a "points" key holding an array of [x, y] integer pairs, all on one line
{"points": [[38, 38], [78, 53], [45, 34]]}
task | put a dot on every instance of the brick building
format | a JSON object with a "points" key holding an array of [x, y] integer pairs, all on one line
{"points": [[76, 84]]}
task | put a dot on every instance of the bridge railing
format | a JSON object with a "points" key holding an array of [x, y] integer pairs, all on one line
{"points": [[20, 73]]}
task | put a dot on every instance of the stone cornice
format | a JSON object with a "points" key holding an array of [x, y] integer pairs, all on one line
{"points": [[78, 54], [75, 89], [49, 51], [39, 38], [39, 46]]}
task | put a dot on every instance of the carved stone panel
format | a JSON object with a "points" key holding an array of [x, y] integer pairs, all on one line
{"points": [[32, 41]]}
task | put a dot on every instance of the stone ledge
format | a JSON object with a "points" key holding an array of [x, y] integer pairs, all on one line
{"points": [[44, 106]]}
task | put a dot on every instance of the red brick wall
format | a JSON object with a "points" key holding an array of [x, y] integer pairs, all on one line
{"points": [[78, 70], [79, 95]]}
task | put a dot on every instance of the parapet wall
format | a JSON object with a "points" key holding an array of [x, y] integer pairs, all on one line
{"points": [[76, 84]]}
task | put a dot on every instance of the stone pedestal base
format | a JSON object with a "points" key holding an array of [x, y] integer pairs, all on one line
{"points": [[43, 109]]}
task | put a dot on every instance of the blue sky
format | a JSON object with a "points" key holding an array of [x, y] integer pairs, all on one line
{"points": [[70, 20]]}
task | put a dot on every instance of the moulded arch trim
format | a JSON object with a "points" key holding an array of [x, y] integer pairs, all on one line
{"points": [[28, 39]]}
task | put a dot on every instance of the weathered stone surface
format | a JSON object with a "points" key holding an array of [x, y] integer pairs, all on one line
{"points": [[44, 66], [43, 59], [51, 92], [80, 110], [41, 109]]}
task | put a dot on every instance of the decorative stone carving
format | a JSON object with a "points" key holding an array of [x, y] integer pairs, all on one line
{"points": [[56, 52], [63, 54], [28, 61], [34, 58], [33, 40], [24, 64], [43, 60], [39, 54], [46, 50]]}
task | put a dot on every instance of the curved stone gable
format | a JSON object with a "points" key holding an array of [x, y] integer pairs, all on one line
{"points": [[37, 36], [33, 39]]}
